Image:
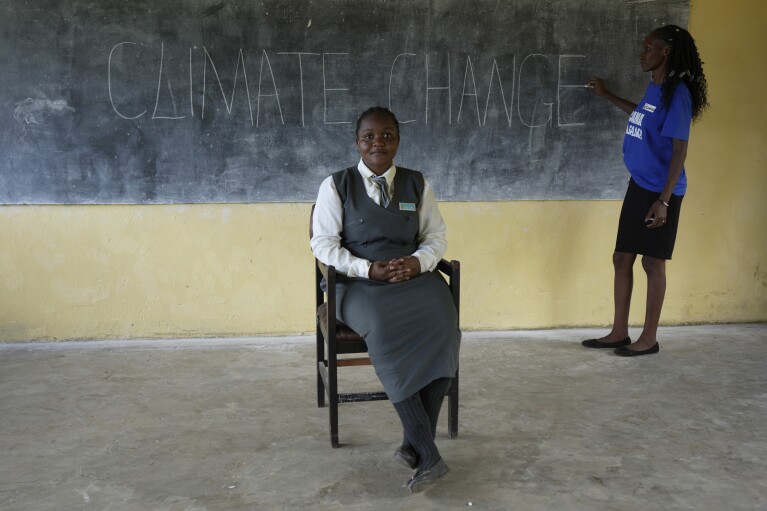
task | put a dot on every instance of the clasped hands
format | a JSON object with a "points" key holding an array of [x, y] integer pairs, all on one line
{"points": [[395, 270]]}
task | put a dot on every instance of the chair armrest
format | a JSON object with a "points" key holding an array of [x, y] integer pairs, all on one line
{"points": [[448, 267], [326, 270], [453, 270]]}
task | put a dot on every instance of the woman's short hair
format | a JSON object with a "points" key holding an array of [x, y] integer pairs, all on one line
{"points": [[377, 110]]}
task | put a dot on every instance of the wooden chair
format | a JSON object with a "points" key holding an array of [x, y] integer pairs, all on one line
{"points": [[334, 338]]}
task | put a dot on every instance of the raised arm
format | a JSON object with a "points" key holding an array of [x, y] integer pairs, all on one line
{"points": [[597, 86]]}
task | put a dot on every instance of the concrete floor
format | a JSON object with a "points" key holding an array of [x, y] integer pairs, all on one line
{"points": [[233, 425]]}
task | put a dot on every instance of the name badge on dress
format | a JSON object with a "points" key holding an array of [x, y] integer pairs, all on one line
{"points": [[406, 206]]}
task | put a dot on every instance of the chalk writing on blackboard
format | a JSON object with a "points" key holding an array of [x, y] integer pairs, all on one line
{"points": [[506, 81]]}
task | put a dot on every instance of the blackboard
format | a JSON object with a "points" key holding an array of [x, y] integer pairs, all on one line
{"points": [[191, 101]]}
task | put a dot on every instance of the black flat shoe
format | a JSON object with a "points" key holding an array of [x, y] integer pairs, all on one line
{"points": [[593, 343], [625, 352], [428, 476], [406, 457]]}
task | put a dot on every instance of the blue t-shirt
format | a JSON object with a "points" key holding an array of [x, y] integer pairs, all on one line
{"points": [[648, 144]]}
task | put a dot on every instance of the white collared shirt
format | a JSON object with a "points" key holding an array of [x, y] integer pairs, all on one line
{"points": [[327, 225]]}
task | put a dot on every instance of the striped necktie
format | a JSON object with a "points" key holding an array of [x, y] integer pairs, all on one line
{"points": [[381, 182]]}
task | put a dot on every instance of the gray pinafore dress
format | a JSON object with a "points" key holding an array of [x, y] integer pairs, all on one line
{"points": [[411, 327]]}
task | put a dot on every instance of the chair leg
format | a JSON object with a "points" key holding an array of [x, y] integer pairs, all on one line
{"points": [[320, 391], [334, 438], [333, 400], [333, 413], [320, 358], [452, 408]]}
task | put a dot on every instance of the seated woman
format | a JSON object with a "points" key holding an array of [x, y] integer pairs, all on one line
{"points": [[380, 227]]}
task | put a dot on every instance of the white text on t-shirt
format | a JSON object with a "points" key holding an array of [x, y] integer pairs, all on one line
{"points": [[634, 127]]}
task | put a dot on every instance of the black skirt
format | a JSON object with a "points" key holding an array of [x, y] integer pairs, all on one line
{"points": [[634, 237]]}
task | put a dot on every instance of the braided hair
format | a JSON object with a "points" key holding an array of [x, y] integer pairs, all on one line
{"points": [[683, 65]]}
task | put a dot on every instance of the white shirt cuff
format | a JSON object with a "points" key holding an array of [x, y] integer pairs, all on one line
{"points": [[359, 268]]}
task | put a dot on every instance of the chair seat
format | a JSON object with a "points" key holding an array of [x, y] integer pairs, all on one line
{"points": [[347, 340]]}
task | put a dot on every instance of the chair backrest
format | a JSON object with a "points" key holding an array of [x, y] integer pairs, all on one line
{"points": [[311, 223]]}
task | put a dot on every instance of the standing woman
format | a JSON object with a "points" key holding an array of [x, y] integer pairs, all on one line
{"points": [[379, 225], [654, 151]]}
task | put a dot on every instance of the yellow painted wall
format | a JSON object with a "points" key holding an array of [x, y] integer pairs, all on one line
{"points": [[99, 272]]}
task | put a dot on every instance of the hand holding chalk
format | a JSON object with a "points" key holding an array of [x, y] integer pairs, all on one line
{"points": [[596, 85]]}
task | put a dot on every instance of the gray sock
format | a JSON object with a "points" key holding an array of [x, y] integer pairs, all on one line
{"points": [[418, 429], [432, 396]]}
